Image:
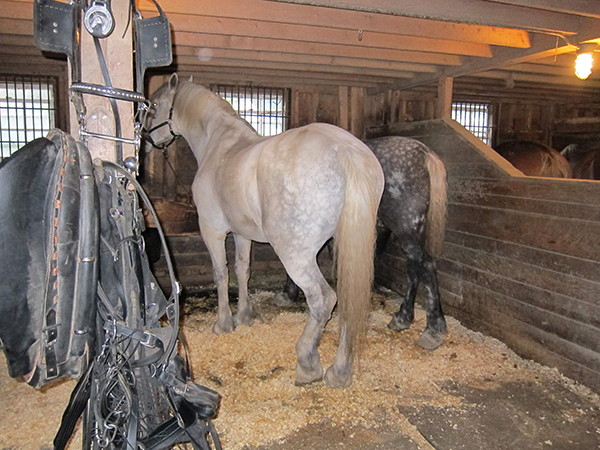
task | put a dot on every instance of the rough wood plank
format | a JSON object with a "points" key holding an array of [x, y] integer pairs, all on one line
{"points": [[324, 34], [470, 195], [574, 266], [550, 233], [314, 48], [535, 344], [492, 306], [530, 286], [353, 20]]}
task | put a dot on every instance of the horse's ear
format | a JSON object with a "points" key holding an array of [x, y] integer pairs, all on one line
{"points": [[173, 82], [191, 80]]}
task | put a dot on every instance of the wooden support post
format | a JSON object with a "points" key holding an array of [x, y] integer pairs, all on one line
{"points": [[357, 111], [343, 105], [118, 52], [444, 98]]}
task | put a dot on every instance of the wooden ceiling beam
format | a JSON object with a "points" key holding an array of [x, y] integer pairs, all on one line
{"points": [[588, 8], [568, 80], [462, 11], [283, 78], [321, 34], [206, 54], [558, 70], [201, 40], [268, 65], [542, 46], [287, 13], [15, 39]]}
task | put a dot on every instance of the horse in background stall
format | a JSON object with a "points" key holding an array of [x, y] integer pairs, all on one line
{"points": [[535, 159], [295, 191], [584, 162], [413, 208]]}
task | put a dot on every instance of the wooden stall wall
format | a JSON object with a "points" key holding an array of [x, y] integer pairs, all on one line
{"points": [[522, 255]]}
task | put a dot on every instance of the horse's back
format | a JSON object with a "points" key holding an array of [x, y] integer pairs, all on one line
{"points": [[278, 185], [535, 159]]}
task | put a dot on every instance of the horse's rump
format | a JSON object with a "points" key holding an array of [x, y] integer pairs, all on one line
{"points": [[419, 176], [535, 159]]}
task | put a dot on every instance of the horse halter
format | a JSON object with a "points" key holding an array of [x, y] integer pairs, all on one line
{"points": [[169, 123]]}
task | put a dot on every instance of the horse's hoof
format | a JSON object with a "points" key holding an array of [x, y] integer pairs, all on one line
{"points": [[304, 377], [398, 324], [244, 318], [282, 300], [430, 340], [226, 326], [336, 380]]}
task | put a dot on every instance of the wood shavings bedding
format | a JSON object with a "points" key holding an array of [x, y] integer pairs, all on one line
{"points": [[253, 369]]}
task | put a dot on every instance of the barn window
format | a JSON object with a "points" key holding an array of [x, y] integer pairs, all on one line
{"points": [[27, 110], [266, 109], [475, 117]]}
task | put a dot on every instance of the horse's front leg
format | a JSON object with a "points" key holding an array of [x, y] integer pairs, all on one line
{"points": [[215, 242], [244, 315]]}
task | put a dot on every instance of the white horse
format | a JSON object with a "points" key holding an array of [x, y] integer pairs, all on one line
{"points": [[295, 191]]}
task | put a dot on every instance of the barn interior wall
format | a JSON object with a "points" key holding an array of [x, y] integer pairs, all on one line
{"points": [[168, 175]]}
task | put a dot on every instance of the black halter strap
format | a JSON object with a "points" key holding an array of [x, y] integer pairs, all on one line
{"points": [[168, 122]]}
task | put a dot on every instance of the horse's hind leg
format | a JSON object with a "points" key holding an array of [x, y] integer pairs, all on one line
{"points": [[420, 267], [215, 242], [321, 299], [436, 323], [244, 315], [404, 317], [290, 292], [289, 295]]}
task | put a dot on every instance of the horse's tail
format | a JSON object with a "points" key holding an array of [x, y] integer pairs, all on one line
{"points": [[355, 240], [556, 165], [438, 204]]}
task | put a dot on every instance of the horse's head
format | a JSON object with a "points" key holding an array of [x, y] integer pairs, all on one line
{"points": [[159, 128]]}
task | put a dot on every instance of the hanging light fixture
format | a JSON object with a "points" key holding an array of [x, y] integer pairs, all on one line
{"points": [[584, 62]]}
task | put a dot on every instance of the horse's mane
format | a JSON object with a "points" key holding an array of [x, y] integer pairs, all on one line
{"points": [[197, 103]]}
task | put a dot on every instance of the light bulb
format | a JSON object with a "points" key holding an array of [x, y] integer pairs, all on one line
{"points": [[583, 65]]}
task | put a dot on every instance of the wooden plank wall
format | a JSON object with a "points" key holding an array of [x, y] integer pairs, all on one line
{"points": [[522, 255]]}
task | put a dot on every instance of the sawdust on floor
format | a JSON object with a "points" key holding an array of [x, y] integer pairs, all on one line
{"points": [[253, 369]]}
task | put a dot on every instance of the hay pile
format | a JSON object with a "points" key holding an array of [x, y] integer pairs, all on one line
{"points": [[254, 369]]}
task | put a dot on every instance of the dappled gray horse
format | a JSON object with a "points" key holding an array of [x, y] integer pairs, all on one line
{"points": [[295, 191]]}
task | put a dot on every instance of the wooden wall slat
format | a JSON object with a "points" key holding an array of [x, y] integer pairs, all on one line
{"points": [[488, 306], [555, 234], [534, 344], [546, 289], [533, 306], [577, 267], [566, 210]]}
